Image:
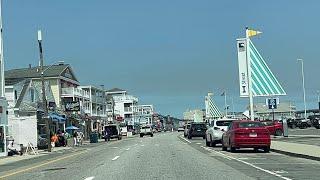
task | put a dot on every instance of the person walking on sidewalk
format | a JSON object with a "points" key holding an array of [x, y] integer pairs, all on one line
{"points": [[75, 135], [54, 139]]}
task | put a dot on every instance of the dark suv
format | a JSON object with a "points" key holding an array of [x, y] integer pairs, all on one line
{"points": [[197, 129]]}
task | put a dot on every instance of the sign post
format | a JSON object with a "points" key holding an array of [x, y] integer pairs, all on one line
{"points": [[272, 104]]}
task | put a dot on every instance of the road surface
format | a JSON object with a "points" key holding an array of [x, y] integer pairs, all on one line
{"points": [[164, 156]]}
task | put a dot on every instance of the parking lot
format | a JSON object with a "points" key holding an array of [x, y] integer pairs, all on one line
{"points": [[250, 162]]}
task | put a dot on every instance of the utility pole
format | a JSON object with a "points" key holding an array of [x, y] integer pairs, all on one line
{"points": [[44, 99]]}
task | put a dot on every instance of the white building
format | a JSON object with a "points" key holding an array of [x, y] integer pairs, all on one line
{"points": [[196, 115], [123, 105], [143, 114]]}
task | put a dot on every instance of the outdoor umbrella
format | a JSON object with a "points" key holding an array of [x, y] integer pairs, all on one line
{"points": [[72, 128]]}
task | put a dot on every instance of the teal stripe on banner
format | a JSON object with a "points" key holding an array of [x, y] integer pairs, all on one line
{"points": [[277, 89], [259, 86], [273, 89], [263, 82]]}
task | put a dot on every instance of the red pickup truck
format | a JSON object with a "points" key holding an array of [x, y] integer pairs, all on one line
{"points": [[274, 127]]}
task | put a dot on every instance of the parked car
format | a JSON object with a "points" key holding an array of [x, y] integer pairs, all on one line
{"points": [[292, 123], [114, 130], [246, 134], [215, 132], [303, 123], [197, 129], [186, 130], [315, 120], [274, 127], [146, 130]]}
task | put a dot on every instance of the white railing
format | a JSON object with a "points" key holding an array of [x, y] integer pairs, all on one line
{"points": [[125, 98], [71, 91], [127, 109]]}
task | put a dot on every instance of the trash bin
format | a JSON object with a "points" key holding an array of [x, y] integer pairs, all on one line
{"points": [[94, 138]]}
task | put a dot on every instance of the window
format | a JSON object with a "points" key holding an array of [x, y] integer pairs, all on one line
{"points": [[223, 123], [250, 124]]}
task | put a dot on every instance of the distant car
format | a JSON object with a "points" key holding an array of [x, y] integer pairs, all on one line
{"points": [[215, 132], [292, 123], [181, 128], [274, 127], [114, 130], [246, 134], [186, 129], [146, 130], [315, 120], [303, 123], [197, 129]]}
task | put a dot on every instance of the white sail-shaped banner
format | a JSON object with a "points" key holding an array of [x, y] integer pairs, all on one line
{"points": [[212, 111], [252, 64]]}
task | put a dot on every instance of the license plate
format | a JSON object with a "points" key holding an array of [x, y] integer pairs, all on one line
{"points": [[253, 135], [199, 130]]}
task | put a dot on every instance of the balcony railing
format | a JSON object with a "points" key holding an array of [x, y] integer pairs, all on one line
{"points": [[71, 91], [125, 98], [127, 109]]}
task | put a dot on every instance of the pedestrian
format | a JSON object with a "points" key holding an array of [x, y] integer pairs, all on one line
{"points": [[75, 135], [54, 140]]}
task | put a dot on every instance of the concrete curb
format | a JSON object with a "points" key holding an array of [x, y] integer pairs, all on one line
{"points": [[296, 154]]}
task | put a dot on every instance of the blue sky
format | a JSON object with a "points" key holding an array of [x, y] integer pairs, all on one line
{"points": [[169, 53]]}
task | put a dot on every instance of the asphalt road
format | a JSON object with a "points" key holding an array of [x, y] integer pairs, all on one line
{"points": [[164, 156]]}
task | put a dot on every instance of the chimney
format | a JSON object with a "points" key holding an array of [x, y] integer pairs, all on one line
{"points": [[30, 66]]}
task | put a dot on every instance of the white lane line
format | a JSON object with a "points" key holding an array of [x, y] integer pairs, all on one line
{"points": [[254, 166], [142, 144], [127, 149], [89, 178], [198, 143], [115, 147], [252, 158], [115, 158], [185, 139]]}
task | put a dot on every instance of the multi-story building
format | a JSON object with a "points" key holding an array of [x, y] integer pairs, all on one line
{"points": [[143, 114], [123, 105], [196, 115]]}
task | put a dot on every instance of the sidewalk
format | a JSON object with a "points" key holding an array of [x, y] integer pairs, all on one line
{"points": [[15, 158], [296, 149]]}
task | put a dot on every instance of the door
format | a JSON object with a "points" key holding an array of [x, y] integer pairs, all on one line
{"points": [[3, 146]]}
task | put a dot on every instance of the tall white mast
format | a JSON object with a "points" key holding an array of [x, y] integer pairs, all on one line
{"points": [[1, 55], [249, 76]]}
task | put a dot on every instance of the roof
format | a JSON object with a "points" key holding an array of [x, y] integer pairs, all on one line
{"points": [[116, 90], [16, 75]]}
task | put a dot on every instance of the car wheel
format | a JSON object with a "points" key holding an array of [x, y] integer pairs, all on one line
{"points": [[151, 135], [184, 135], [213, 144], [141, 135], [293, 126], [189, 137], [266, 149], [223, 147], [204, 137], [232, 149], [256, 149], [207, 143], [317, 127], [278, 132]]}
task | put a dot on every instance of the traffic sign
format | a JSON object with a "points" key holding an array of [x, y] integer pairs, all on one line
{"points": [[272, 103]]}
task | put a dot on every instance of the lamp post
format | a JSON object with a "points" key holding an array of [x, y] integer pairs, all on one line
{"points": [[44, 100], [304, 89]]}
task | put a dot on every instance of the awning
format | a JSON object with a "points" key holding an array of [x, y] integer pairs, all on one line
{"points": [[57, 118]]}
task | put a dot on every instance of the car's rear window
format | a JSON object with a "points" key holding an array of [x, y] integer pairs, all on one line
{"points": [[250, 124], [145, 127], [223, 123], [267, 123], [188, 126], [198, 126]]}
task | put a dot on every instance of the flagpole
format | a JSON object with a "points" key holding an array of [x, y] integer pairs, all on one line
{"points": [[225, 102], [249, 76]]}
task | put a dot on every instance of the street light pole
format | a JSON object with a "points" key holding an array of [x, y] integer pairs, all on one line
{"points": [[44, 100], [304, 89]]}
